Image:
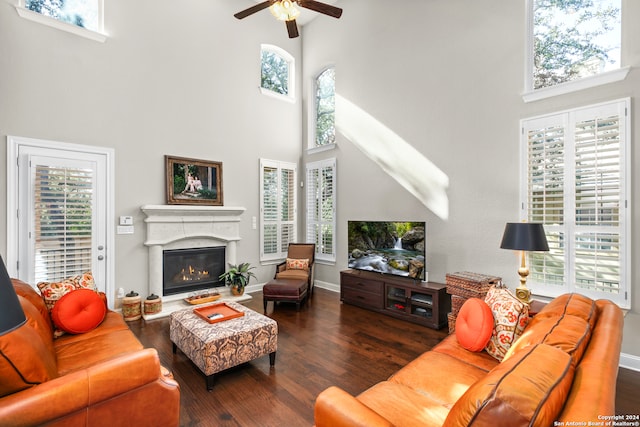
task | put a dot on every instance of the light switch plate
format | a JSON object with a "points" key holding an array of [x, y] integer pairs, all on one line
{"points": [[125, 229]]}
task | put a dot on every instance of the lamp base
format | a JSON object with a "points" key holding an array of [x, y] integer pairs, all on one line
{"points": [[523, 294]]}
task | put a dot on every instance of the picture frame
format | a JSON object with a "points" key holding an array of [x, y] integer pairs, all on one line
{"points": [[193, 181]]}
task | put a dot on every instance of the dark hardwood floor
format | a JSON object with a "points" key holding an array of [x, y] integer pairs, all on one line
{"points": [[325, 343]]}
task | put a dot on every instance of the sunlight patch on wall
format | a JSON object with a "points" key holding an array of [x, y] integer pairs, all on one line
{"points": [[395, 156]]}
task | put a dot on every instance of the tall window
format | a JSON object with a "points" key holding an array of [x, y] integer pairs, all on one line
{"points": [[325, 108], [278, 222], [82, 13], [277, 71], [572, 39], [576, 184], [321, 208]]}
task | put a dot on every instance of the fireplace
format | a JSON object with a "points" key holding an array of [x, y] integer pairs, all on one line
{"points": [[193, 269], [177, 229]]}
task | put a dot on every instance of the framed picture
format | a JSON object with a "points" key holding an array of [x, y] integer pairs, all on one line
{"points": [[193, 182]]}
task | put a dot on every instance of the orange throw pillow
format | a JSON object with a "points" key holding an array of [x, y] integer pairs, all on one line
{"points": [[474, 324], [79, 311]]}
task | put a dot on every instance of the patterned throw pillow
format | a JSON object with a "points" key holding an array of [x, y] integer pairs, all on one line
{"points": [[297, 264], [510, 318]]}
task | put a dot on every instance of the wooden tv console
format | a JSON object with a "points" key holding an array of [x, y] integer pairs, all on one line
{"points": [[418, 302]]}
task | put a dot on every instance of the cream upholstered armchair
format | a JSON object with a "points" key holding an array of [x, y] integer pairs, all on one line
{"points": [[299, 263]]}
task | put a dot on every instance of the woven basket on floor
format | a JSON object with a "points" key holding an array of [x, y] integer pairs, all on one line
{"points": [[452, 322], [470, 285]]}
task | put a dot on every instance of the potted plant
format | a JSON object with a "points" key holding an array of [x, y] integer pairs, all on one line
{"points": [[238, 277]]}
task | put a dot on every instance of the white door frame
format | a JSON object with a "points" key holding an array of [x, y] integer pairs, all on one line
{"points": [[13, 145]]}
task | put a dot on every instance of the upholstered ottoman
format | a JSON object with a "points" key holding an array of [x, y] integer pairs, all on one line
{"points": [[291, 290], [214, 347]]}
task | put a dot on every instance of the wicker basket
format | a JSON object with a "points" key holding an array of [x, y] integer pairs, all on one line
{"points": [[456, 303], [470, 285], [452, 322]]}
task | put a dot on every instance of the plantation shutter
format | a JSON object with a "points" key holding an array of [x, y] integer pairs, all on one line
{"points": [[63, 221], [576, 186], [545, 191], [288, 209], [277, 208], [598, 200], [321, 208]]}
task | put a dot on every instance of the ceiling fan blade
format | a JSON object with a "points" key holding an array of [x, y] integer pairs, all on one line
{"points": [[324, 8], [253, 9], [292, 29]]}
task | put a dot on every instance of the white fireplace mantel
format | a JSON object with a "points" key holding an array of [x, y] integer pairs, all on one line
{"points": [[187, 226]]}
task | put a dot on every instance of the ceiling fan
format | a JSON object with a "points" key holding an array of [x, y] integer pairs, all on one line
{"points": [[286, 10]]}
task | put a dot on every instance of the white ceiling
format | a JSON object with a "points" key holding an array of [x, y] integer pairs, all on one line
{"points": [[306, 15]]}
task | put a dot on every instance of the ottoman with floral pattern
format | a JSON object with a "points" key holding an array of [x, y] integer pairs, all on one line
{"points": [[214, 347]]}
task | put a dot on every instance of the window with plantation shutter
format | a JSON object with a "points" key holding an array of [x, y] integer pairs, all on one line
{"points": [[321, 208], [576, 167], [278, 222], [63, 216]]}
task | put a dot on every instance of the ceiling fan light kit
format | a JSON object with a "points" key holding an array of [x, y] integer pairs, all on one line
{"points": [[286, 10]]}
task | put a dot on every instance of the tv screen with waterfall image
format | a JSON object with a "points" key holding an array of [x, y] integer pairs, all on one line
{"points": [[388, 247]]}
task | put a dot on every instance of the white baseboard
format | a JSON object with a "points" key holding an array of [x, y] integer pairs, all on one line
{"points": [[629, 361], [327, 285]]}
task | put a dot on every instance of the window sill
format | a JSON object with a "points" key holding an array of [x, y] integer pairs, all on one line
{"points": [[324, 261], [276, 95], [574, 86], [321, 148], [54, 23]]}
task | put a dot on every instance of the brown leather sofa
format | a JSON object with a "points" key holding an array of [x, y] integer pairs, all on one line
{"points": [[563, 368], [100, 378]]}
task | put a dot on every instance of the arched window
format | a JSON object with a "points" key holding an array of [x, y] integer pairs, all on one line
{"points": [[325, 108], [277, 71]]}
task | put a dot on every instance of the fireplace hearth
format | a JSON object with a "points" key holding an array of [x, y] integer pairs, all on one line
{"points": [[193, 269]]}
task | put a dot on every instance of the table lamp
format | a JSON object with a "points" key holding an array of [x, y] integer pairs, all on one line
{"points": [[524, 236], [11, 314]]}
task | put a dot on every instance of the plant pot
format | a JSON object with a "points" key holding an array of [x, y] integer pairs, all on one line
{"points": [[237, 291]]}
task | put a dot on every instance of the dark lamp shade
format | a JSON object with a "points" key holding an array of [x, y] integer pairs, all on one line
{"points": [[524, 236], [11, 314]]}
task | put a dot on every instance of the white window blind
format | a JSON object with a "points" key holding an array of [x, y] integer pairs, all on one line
{"points": [[321, 208], [576, 185], [277, 208], [63, 199]]}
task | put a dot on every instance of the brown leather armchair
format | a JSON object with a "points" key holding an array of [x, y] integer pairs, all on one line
{"points": [[298, 251]]}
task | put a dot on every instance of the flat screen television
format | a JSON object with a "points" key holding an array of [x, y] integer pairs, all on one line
{"points": [[388, 247]]}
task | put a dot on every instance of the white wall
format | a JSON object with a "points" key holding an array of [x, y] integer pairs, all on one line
{"points": [[447, 76], [177, 78]]}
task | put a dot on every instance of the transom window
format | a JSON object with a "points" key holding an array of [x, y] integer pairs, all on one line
{"points": [[81, 17], [572, 40], [277, 71], [83, 13]]}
